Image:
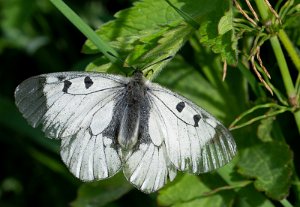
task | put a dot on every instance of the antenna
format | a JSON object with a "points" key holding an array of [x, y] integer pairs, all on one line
{"points": [[162, 60], [144, 67]]}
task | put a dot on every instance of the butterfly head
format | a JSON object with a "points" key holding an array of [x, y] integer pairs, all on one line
{"points": [[147, 70]]}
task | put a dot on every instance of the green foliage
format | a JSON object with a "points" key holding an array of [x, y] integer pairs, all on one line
{"points": [[144, 37], [102, 192], [190, 191], [264, 167], [201, 35]]}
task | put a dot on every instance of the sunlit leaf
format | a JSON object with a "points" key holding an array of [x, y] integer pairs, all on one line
{"points": [[145, 37]]}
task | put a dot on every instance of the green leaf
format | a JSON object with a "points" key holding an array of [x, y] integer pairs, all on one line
{"points": [[143, 37], [100, 193], [135, 23], [217, 33], [101, 65], [249, 197], [185, 16], [264, 129], [225, 23], [270, 164], [191, 191]]}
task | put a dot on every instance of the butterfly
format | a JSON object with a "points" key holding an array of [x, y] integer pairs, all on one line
{"points": [[107, 123]]}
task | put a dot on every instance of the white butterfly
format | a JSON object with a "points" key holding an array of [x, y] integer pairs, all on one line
{"points": [[108, 122]]}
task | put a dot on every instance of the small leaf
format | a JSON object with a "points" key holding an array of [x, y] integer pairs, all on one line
{"points": [[217, 33], [265, 128], [225, 23], [100, 193], [270, 164]]}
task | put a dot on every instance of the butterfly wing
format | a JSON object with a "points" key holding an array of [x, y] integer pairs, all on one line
{"points": [[148, 167], [195, 141], [82, 109], [76, 107]]}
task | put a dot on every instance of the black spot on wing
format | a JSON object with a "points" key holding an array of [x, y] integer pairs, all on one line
{"points": [[67, 85], [61, 77], [88, 82], [180, 106], [196, 118]]}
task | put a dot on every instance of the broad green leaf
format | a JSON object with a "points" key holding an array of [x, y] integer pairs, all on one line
{"points": [[191, 191], [270, 164], [144, 37], [96, 194], [136, 23], [246, 194]]}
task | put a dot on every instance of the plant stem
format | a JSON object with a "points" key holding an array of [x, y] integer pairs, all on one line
{"points": [[287, 80], [284, 70], [263, 10], [286, 203], [285, 73], [103, 46], [288, 45]]}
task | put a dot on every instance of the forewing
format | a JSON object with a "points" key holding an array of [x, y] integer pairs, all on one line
{"points": [[195, 141], [63, 103], [76, 107]]}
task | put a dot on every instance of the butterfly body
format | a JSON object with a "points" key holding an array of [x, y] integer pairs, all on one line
{"points": [[130, 123], [107, 123]]}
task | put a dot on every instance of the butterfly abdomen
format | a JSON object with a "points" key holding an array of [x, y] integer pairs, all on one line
{"points": [[130, 122]]}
